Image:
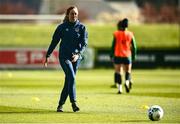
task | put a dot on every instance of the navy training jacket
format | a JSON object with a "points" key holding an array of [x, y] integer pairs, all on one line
{"points": [[73, 38]]}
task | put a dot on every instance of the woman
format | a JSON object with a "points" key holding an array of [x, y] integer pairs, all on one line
{"points": [[123, 52], [73, 38]]}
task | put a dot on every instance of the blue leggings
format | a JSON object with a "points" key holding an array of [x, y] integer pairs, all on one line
{"points": [[69, 88]]}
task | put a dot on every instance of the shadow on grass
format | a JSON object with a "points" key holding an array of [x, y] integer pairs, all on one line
{"points": [[154, 94], [140, 121], [22, 110], [9, 110]]}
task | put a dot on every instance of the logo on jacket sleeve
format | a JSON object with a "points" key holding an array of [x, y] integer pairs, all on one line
{"points": [[77, 29], [67, 29]]}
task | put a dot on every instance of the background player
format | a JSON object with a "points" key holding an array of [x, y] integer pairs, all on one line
{"points": [[123, 51]]}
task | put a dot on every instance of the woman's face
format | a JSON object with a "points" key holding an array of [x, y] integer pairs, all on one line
{"points": [[73, 15]]}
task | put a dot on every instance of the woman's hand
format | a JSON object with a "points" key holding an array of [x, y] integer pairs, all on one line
{"points": [[45, 62], [75, 57]]}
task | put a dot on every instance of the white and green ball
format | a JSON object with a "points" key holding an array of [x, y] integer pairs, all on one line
{"points": [[155, 113]]}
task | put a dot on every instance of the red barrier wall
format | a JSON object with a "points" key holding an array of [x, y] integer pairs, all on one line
{"points": [[26, 58]]}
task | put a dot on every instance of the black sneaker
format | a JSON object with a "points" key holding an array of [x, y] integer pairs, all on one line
{"points": [[75, 107], [130, 85], [119, 92], [59, 108], [127, 87]]}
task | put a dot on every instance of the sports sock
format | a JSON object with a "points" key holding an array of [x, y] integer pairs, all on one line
{"points": [[117, 78], [120, 87], [127, 76]]}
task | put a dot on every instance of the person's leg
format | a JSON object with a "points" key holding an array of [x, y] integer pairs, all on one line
{"points": [[127, 68], [76, 65], [64, 92], [117, 76], [72, 85], [72, 91], [69, 77], [128, 84]]}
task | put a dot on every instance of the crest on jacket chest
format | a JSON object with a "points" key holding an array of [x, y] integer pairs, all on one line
{"points": [[77, 29], [67, 29]]}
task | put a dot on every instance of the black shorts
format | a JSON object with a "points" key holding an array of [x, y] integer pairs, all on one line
{"points": [[122, 60]]}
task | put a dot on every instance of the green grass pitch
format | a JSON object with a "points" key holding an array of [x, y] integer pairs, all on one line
{"points": [[31, 96]]}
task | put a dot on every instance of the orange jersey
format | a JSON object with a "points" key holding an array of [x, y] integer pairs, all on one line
{"points": [[123, 41]]}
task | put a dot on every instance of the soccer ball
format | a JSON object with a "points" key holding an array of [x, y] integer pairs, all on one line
{"points": [[155, 113]]}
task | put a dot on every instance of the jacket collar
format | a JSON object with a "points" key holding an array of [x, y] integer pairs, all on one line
{"points": [[73, 23]]}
